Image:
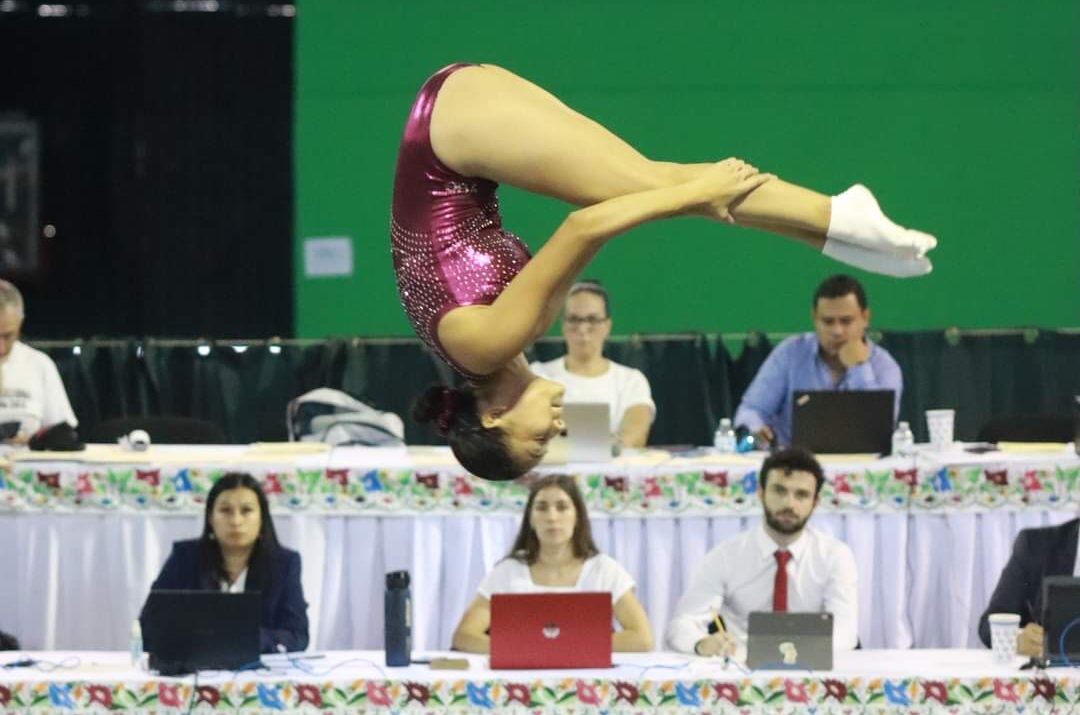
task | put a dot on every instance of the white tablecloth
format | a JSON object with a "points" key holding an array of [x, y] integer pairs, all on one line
{"points": [[77, 581], [75, 574], [910, 682]]}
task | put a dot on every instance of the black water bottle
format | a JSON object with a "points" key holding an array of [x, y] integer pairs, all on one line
{"points": [[398, 615]]}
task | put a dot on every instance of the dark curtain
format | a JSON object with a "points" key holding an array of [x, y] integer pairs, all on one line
{"points": [[166, 167], [981, 376], [722, 394], [755, 349], [694, 382], [103, 379], [678, 370], [390, 375], [213, 166]]}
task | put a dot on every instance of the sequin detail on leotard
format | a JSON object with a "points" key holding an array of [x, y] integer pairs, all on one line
{"points": [[446, 235]]}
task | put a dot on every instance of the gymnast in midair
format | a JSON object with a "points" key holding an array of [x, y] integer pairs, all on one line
{"points": [[475, 295]]}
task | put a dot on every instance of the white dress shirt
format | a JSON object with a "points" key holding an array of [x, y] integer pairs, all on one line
{"points": [[31, 391], [236, 586], [737, 577], [598, 573]]}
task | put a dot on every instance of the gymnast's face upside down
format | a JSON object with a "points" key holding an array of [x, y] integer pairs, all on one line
{"points": [[531, 422]]}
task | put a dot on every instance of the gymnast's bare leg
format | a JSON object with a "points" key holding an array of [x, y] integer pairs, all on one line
{"points": [[493, 124]]}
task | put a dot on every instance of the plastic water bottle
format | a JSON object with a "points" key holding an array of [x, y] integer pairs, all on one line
{"points": [[724, 438], [903, 441], [398, 619], [135, 644]]}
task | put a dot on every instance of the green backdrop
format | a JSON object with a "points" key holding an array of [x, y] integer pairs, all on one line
{"points": [[964, 118]]}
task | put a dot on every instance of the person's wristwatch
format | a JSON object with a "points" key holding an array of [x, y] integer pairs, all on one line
{"points": [[697, 647]]}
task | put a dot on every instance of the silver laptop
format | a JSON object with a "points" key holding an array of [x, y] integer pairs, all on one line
{"points": [[588, 435], [789, 641]]}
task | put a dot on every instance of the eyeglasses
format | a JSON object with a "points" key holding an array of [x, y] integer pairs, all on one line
{"points": [[583, 321]]}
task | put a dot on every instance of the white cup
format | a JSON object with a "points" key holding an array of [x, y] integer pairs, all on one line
{"points": [[1004, 628], [940, 425]]}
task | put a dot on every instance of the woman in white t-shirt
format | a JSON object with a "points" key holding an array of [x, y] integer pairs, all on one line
{"points": [[554, 551], [589, 376]]}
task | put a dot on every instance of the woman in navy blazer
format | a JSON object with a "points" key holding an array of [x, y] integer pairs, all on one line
{"points": [[239, 551]]}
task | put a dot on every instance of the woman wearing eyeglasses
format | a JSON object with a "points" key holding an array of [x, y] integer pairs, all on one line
{"points": [[591, 377]]}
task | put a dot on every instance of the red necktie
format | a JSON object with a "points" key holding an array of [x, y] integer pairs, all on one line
{"points": [[779, 589]]}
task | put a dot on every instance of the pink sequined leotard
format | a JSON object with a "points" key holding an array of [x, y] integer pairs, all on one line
{"points": [[446, 237]]}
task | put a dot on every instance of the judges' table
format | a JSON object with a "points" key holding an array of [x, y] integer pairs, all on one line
{"points": [[909, 682], [86, 533]]}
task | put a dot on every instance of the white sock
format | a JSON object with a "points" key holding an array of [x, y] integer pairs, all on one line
{"points": [[889, 264], [857, 219]]}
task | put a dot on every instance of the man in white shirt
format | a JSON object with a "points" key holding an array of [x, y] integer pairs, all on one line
{"points": [[590, 377], [31, 392], [780, 565]]}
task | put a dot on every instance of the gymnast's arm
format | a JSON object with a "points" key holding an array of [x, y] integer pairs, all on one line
{"points": [[484, 338]]}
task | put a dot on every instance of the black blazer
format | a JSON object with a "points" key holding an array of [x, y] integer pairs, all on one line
{"points": [[283, 619], [1049, 551]]}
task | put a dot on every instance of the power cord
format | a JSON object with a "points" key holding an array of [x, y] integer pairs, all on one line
{"points": [[307, 670], [48, 666], [194, 691], [654, 666]]}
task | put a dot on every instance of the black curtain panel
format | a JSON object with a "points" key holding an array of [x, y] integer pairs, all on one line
{"points": [[165, 175], [678, 370], [244, 387]]}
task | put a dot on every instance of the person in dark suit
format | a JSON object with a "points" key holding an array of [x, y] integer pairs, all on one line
{"points": [[8, 642], [1037, 553], [239, 551]]}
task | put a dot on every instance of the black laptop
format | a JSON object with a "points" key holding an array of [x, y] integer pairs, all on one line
{"points": [[1061, 616], [186, 631], [843, 421]]}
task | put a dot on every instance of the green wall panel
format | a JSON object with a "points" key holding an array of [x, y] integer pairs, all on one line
{"points": [[964, 119]]}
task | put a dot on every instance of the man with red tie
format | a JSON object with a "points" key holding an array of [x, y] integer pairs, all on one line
{"points": [[779, 565]]}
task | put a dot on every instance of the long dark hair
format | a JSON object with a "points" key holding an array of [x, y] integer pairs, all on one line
{"points": [[213, 564], [456, 415], [526, 546]]}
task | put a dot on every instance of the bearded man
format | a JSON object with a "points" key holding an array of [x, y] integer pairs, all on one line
{"points": [[781, 565]]}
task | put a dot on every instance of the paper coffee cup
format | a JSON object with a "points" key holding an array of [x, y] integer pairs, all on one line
{"points": [[939, 424], [1004, 627]]}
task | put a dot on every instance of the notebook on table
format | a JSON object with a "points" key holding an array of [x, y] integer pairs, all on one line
{"points": [[535, 631]]}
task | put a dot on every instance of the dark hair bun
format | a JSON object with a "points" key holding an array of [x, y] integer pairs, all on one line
{"points": [[430, 404]]}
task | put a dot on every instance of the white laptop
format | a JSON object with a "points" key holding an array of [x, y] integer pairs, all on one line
{"points": [[588, 436]]}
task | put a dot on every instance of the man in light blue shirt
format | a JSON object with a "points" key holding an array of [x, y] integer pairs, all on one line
{"points": [[836, 356]]}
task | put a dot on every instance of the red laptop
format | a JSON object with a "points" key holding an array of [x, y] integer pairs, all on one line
{"points": [[550, 630]]}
